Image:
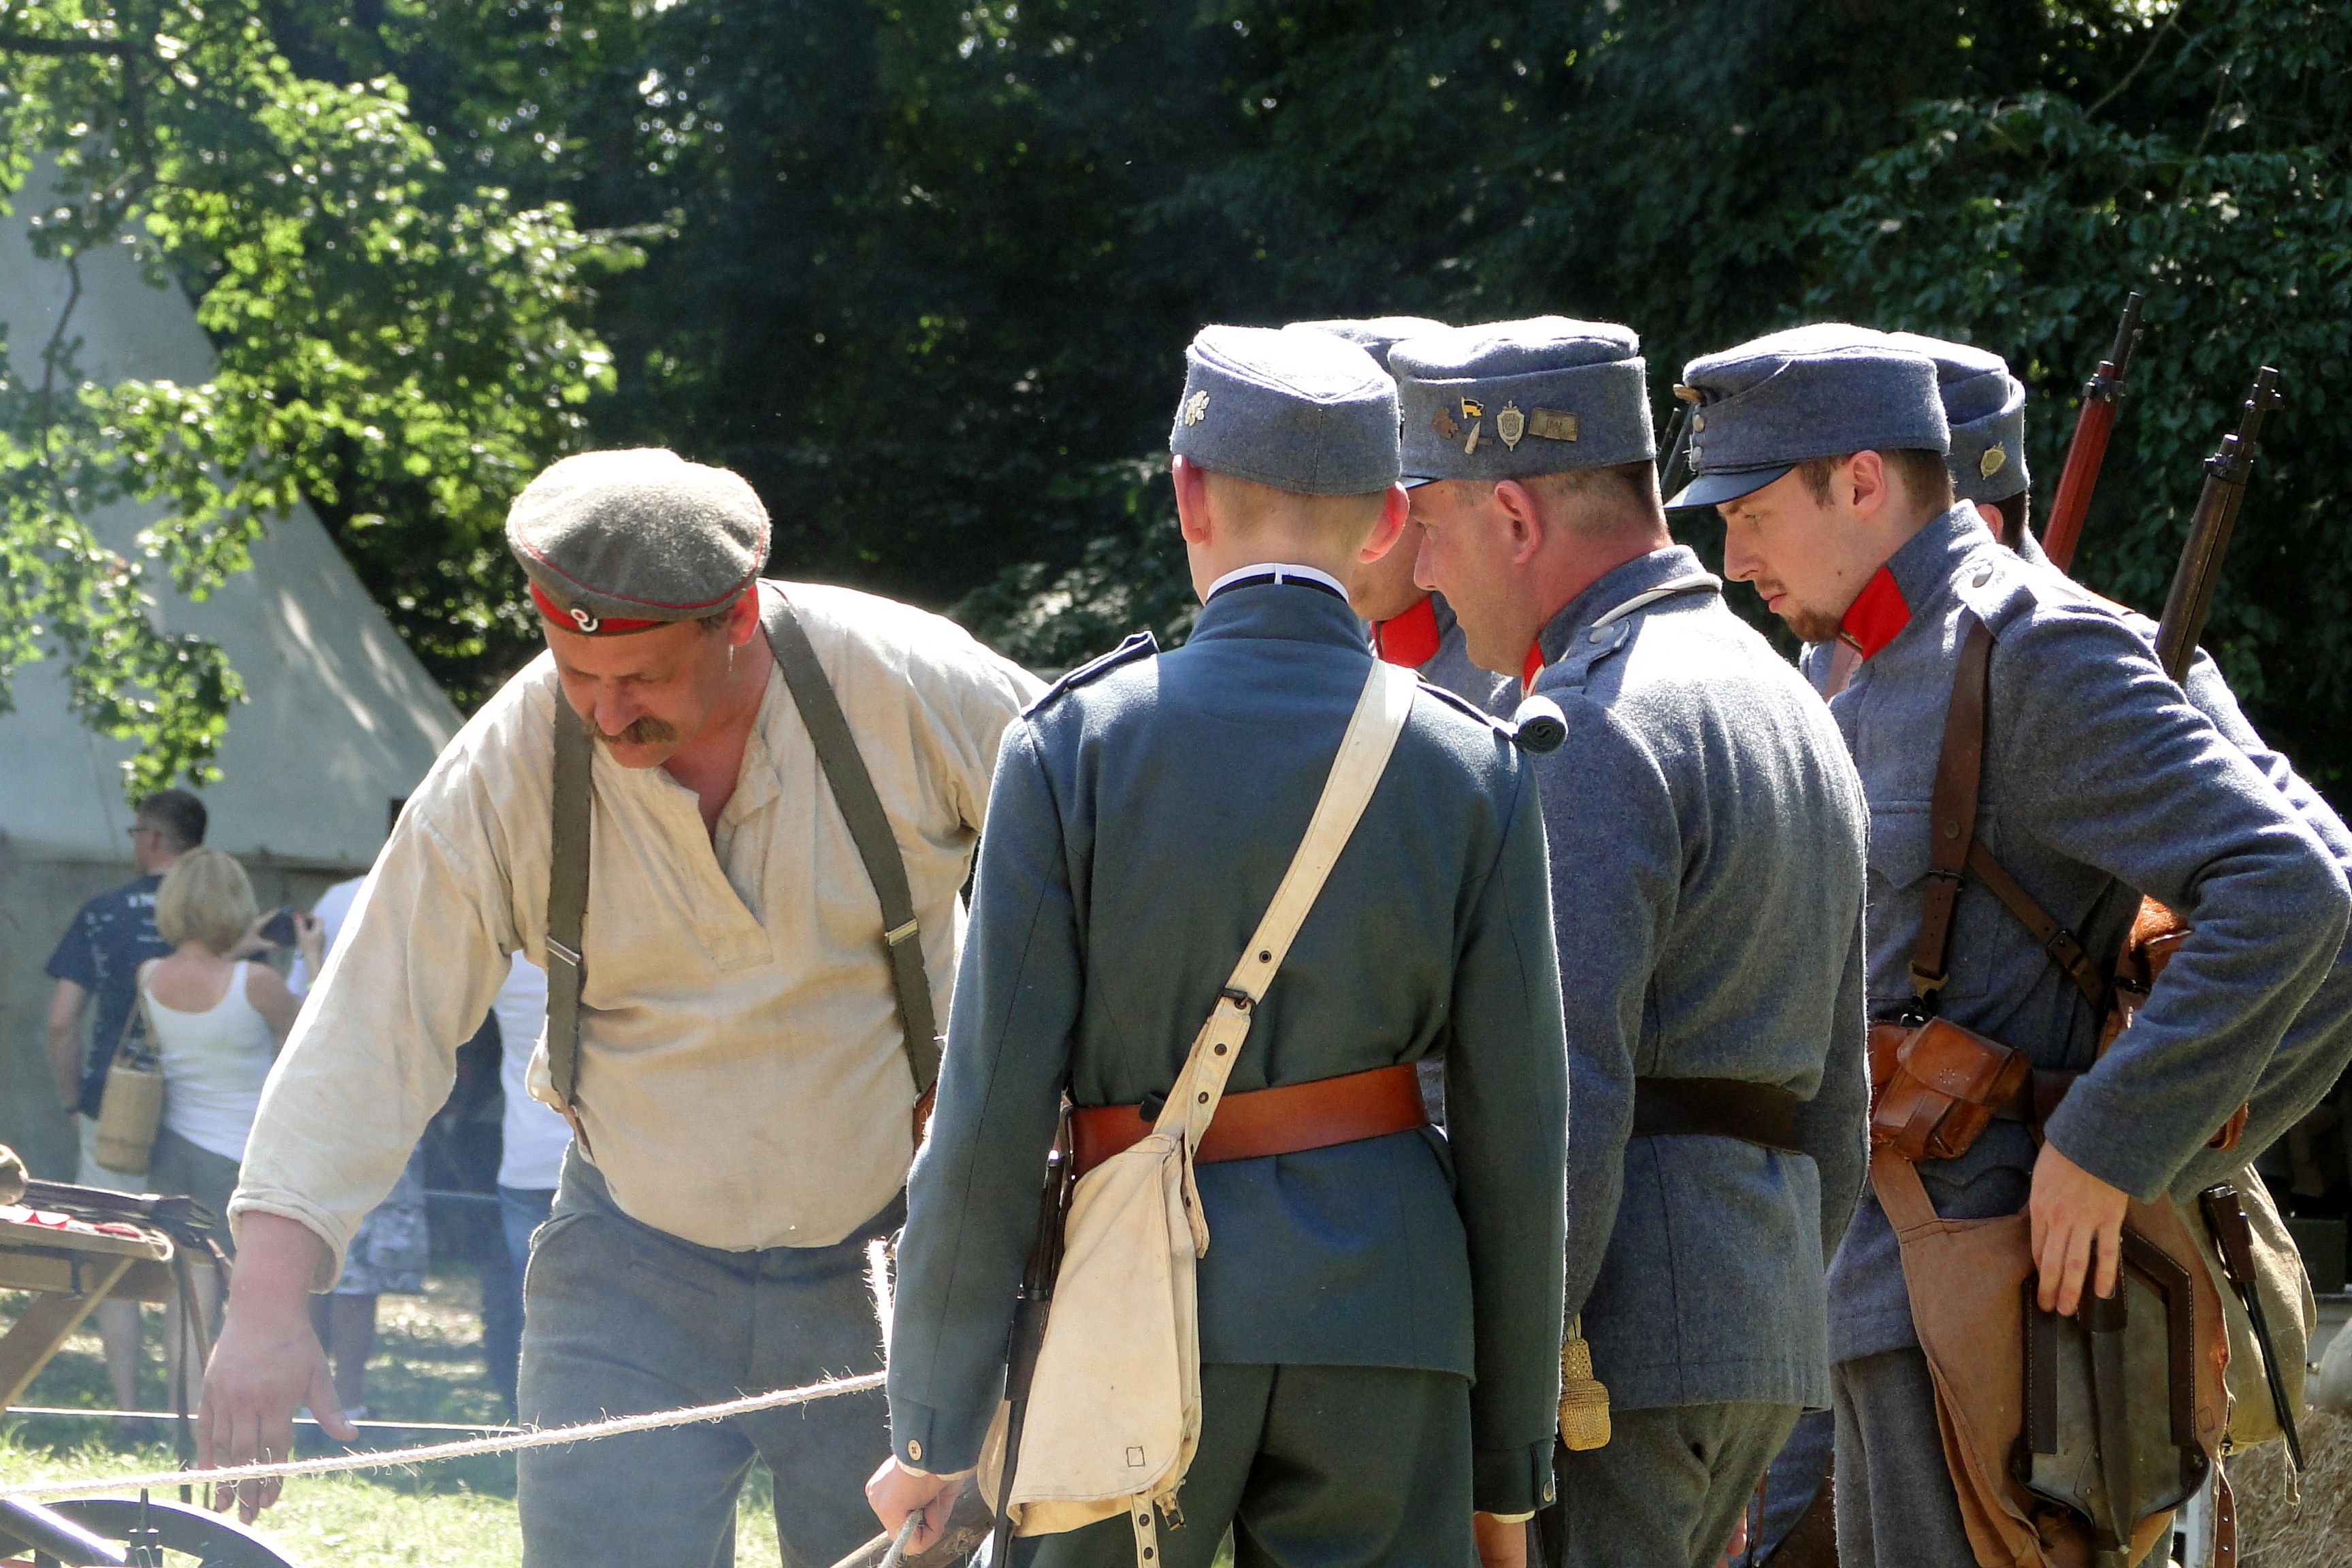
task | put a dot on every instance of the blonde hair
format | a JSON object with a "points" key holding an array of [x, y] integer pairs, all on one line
{"points": [[1250, 506], [206, 898]]}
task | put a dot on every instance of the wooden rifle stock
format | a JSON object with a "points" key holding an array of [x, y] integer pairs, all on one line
{"points": [[2088, 450], [1029, 1314], [2226, 473]]}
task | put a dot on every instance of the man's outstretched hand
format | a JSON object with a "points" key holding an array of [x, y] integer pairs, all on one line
{"points": [[266, 1363]]}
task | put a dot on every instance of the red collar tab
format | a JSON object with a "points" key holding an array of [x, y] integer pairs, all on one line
{"points": [[1531, 669], [583, 621], [1411, 638], [1877, 615]]}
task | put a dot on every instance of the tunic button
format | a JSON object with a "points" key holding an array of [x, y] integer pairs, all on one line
{"points": [[915, 1449], [1984, 575], [1599, 634]]}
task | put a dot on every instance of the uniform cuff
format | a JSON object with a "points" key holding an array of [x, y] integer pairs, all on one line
{"points": [[1508, 1481], [932, 1441]]}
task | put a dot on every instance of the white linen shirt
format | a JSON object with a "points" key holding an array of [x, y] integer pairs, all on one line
{"points": [[742, 1080]]}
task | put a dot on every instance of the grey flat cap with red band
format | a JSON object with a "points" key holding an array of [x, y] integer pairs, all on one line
{"points": [[621, 542]]}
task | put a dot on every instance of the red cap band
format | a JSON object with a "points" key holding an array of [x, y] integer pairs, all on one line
{"points": [[585, 622]]}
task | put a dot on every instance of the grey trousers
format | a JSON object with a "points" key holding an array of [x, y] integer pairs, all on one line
{"points": [[1895, 1505], [1668, 1488], [620, 1318], [1311, 1466]]}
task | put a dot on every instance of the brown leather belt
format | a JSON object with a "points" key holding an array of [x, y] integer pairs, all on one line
{"points": [[1284, 1121], [1717, 1108]]}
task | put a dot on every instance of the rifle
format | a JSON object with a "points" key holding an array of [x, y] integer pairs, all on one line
{"points": [[2226, 474], [1029, 1315], [2088, 449], [1671, 449]]}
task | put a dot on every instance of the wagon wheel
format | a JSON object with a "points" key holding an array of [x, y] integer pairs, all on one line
{"points": [[211, 1539]]}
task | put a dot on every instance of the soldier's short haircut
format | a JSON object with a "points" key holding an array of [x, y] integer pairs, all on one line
{"points": [[177, 814], [1925, 477], [1620, 484]]}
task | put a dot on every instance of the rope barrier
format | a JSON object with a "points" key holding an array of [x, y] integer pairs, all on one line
{"points": [[92, 1413], [388, 1459]]}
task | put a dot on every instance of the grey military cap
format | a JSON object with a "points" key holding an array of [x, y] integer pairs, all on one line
{"points": [[1822, 391], [1305, 412], [1376, 334], [1513, 398], [620, 542], [1985, 406]]}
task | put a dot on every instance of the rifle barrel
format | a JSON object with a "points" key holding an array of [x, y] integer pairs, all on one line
{"points": [[2227, 472], [2088, 451], [1671, 449]]}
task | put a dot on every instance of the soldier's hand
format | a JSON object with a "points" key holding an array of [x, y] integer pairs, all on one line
{"points": [[1501, 1544], [266, 1364], [2076, 1220], [895, 1491]]}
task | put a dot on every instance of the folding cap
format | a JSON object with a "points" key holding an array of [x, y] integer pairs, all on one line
{"points": [[1821, 391], [1305, 412], [1376, 335], [1985, 406], [1512, 398], [621, 541]]}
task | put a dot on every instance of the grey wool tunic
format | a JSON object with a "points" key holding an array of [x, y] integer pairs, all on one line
{"points": [[1706, 834], [2101, 784], [1142, 814]]}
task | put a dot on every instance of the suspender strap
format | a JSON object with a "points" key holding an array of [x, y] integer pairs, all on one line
{"points": [[1953, 848], [1952, 810], [869, 827], [567, 898]]}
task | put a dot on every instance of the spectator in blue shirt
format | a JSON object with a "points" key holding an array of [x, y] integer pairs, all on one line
{"points": [[96, 962]]}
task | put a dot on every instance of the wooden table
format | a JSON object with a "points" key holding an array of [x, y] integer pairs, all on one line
{"points": [[73, 1265]]}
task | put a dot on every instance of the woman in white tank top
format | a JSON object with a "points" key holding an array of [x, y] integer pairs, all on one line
{"points": [[217, 1023]]}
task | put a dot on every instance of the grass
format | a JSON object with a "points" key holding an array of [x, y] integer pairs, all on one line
{"points": [[428, 1366]]}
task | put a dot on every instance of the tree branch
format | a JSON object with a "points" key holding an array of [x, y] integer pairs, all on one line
{"points": [[24, 44]]}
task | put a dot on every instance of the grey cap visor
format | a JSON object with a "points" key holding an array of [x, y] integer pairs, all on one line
{"points": [[1714, 490]]}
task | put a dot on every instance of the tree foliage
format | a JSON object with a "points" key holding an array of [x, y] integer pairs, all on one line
{"points": [[396, 339]]}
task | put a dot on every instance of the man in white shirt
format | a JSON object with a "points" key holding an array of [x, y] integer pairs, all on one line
{"points": [[744, 1084]]}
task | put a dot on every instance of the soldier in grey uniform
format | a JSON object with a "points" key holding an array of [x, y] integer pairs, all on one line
{"points": [[1824, 448], [1706, 841], [1406, 623], [1380, 1308]]}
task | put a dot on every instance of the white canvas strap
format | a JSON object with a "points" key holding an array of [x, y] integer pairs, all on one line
{"points": [[1364, 752]]}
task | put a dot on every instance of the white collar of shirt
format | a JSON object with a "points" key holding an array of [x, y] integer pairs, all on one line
{"points": [[1280, 571]]}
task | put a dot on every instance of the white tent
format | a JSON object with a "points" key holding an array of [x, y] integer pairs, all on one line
{"points": [[340, 721]]}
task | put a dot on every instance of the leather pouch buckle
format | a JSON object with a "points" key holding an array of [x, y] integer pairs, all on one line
{"points": [[1936, 1085]]}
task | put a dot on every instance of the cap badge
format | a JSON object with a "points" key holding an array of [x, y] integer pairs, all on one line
{"points": [[1992, 461], [1552, 425], [1511, 425], [582, 619], [1472, 409], [1471, 445], [1443, 423], [1196, 408]]}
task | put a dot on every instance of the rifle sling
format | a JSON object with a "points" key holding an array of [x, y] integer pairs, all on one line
{"points": [[853, 792], [1956, 852]]}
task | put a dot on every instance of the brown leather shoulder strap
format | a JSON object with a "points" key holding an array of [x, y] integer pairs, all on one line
{"points": [[1952, 809], [1954, 848]]}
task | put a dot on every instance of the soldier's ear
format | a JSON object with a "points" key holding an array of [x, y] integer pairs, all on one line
{"points": [[1521, 518], [1191, 499]]}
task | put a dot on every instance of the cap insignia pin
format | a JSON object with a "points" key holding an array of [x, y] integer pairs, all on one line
{"points": [[1992, 463], [1472, 408], [1443, 423], [583, 620], [1471, 445], [1511, 425], [1552, 423], [1196, 408]]}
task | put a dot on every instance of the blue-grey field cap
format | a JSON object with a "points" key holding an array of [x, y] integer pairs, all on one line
{"points": [[1509, 399], [1985, 406], [1305, 412], [621, 542], [1822, 391], [1375, 335]]}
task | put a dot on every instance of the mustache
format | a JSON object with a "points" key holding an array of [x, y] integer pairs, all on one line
{"points": [[646, 732]]}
